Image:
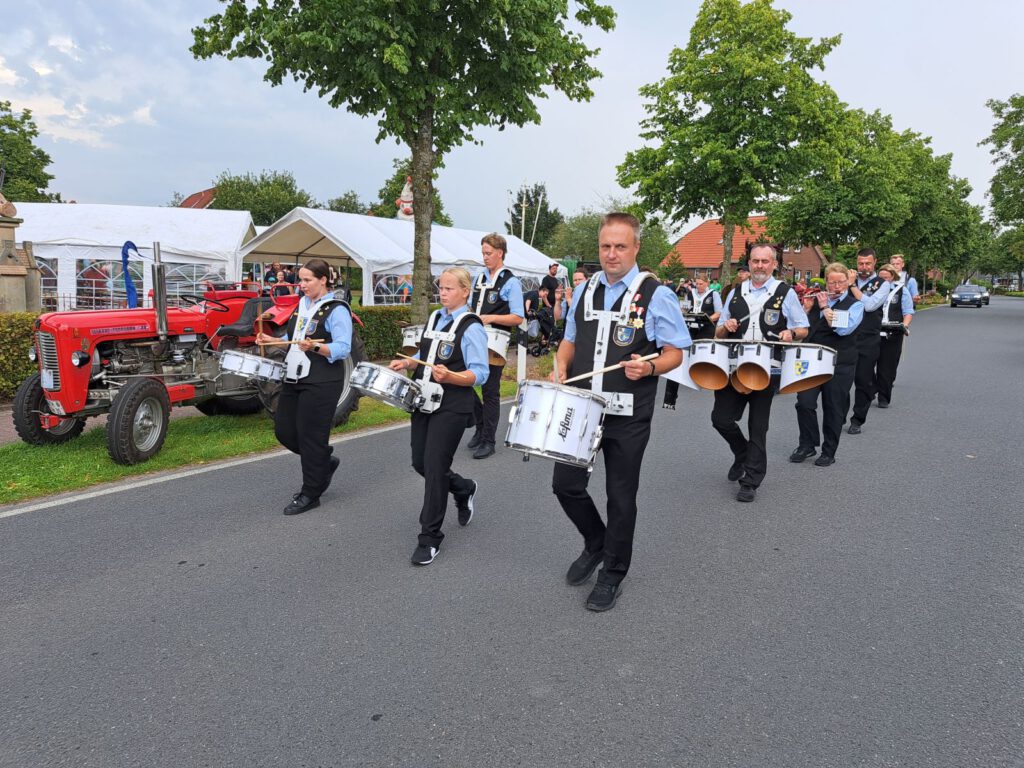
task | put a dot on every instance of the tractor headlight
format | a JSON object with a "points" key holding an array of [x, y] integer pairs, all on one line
{"points": [[79, 358], [32, 353]]}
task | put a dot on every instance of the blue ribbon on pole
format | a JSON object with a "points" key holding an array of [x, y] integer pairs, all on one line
{"points": [[129, 286]]}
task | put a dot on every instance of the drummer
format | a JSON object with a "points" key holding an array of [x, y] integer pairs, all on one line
{"points": [[898, 311], [872, 291], [834, 317], [436, 435], [903, 277], [760, 308], [706, 307], [497, 299], [654, 326], [305, 408]]}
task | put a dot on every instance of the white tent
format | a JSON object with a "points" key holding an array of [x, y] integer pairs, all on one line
{"points": [[71, 235], [380, 246]]}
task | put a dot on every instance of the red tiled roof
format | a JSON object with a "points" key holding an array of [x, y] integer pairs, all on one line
{"points": [[702, 247], [199, 199]]}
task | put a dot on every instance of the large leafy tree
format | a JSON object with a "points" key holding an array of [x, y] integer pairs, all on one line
{"points": [[348, 202], [267, 196], [392, 189], [429, 72], [738, 119], [1007, 142], [25, 164], [541, 218]]}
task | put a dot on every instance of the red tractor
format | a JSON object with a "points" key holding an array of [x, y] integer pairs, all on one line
{"points": [[135, 364]]}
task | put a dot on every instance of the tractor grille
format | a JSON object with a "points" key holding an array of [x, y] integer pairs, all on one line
{"points": [[48, 356]]}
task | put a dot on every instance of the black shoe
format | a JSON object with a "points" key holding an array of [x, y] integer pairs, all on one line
{"points": [[424, 555], [736, 471], [883, 403], [475, 440], [582, 567], [465, 505], [801, 453], [853, 429], [603, 596], [302, 503], [824, 461], [335, 463], [746, 493], [671, 406], [484, 450]]}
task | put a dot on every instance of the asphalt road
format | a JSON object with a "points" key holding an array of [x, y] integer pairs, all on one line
{"points": [[867, 614]]}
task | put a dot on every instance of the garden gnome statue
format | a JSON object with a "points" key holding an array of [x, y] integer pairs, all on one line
{"points": [[404, 203]]}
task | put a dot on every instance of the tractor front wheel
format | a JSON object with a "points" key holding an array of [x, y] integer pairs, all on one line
{"points": [[137, 424], [30, 408]]}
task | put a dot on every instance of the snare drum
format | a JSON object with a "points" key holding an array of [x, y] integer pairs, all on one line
{"points": [[391, 387], [710, 364], [754, 366], [497, 345], [805, 366], [411, 337], [251, 366], [556, 422]]}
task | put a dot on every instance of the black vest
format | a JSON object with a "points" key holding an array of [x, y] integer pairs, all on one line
{"points": [[706, 329], [771, 310], [493, 303], [625, 341], [872, 322], [822, 333], [456, 399], [319, 368], [894, 306]]}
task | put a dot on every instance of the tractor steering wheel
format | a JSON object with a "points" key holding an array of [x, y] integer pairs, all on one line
{"points": [[194, 301]]}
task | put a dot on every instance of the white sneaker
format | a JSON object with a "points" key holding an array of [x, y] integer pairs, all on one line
{"points": [[465, 505]]}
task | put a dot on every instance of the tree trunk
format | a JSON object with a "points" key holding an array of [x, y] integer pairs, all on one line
{"points": [[728, 228], [423, 162]]}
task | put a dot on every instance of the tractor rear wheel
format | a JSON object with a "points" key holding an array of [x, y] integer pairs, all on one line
{"points": [[137, 424], [29, 408]]}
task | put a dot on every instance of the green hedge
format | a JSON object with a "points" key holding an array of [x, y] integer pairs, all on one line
{"points": [[15, 341], [381, 332]]}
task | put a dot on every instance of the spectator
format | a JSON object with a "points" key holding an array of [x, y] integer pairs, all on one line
{"points": [[549, 284], [281, 285]]}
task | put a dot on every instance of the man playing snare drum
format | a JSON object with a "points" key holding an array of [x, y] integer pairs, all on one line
{"points": [[498, 300], [618, 316]]}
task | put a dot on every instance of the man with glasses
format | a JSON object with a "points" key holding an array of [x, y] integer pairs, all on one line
{"points": [[834, 317]]}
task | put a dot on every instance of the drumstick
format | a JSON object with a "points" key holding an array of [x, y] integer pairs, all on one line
{"points": [[429, 365], [610, 368], [259, 321], [297, 341]]}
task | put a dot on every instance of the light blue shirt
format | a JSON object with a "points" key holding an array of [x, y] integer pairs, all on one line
{"points": [[856, 311], [663, 324], [338, 324], [912, 287], [791, 308], [698, 300], [474, 344], [877, 299], [511, 291], [906, 302]]}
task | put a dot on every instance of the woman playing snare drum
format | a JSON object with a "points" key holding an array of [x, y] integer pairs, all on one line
{"points": [[456, 344]]}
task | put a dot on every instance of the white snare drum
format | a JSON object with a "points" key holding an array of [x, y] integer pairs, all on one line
{"points": [[391, 387], [251, 366], [754, 366], [497, 345], [805, 366], [710, 364], [557, 422], [411, 337]]}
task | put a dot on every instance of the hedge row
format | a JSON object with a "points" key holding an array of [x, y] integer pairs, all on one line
{"points": [[15, 341], [381, 332]]}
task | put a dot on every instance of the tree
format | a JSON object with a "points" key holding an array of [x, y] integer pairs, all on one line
{"points": [[25, 178], [267, 197], [1007, 141], [387, 195], [577, 236], [738, 119], [430, 72], [541, 218], [348, 202]]}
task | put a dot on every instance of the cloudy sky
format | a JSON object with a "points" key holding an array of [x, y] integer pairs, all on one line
{"points": [[128, 116]]}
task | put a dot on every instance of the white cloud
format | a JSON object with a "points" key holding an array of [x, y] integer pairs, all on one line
{"points": [[41, 68], [7, 76], [65, 45], [143, 115]]}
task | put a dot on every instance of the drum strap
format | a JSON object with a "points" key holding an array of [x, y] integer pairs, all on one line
{"points": [[482, 284], [438, 337], [605, 320], [754, 306]]}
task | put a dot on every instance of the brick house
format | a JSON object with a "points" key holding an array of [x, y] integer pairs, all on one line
{"points": [[700, 251], [203, 199]]}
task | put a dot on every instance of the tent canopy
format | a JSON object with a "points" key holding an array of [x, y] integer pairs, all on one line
{"points": [[380, 246]]}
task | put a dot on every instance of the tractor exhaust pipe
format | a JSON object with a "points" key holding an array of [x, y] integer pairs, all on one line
{"points": [[160, 293]]}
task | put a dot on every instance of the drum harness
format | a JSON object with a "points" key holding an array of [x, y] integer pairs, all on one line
{"points": [[433, 392], [754, 307], [297, 362]]}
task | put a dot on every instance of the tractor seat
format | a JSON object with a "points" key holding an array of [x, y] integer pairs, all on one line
{"points": [[247, 320]]}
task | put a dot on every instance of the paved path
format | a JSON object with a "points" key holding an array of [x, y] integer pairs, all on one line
{"points": [[868, 614]]}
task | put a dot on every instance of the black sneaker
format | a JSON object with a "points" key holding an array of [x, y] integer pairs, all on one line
{"points": [[746, 493], [853, 429], [801, 453], [582, 567], [476, 439], [484, 450], [603, 596], [824, 461], [424, 555], [736, 471], [465, 505], [883, 403]]}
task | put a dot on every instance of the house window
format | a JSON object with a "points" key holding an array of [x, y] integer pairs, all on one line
{"points": [[797, 249]]}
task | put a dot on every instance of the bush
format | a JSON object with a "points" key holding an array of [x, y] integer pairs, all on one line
{"points": [[15, 341], [381, 332]]}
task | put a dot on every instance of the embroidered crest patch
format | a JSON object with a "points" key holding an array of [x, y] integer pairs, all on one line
{"points": [[771, 316], [623, 335], [444, 351], [492, 297], [311, 328], [801, 367]]}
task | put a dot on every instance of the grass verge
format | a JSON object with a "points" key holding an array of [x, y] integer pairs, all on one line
{"points": [[31, 471]]}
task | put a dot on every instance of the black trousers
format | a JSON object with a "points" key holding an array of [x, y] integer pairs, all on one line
{"points": [[835, 404], [623, 444], [302, 424], [750, 452], [889, 354], [486, 415], [864, 378], [671, 391], [435, 437]]}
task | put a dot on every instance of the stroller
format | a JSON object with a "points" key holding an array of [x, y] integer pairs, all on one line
{"points": [[543, 334]]}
